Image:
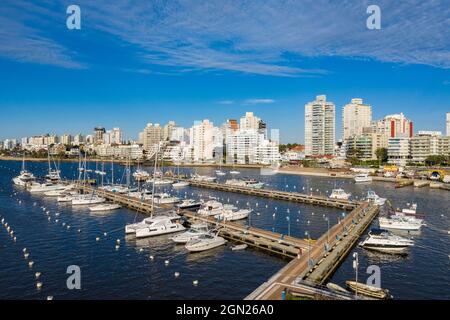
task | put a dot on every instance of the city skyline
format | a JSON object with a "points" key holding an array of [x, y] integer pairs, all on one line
{"points": [[125, 70]]}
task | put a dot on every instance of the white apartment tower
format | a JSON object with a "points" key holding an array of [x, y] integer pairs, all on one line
{"points": [[355, 117], [151, 136], [448, 124], [249, 121], [202, 140], [319, 127]]}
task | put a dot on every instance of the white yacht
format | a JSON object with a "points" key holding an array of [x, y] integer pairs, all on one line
{"points": [[161, 182], [25, 178], [251, 183], [159, 225], [374, 198], [198, 177], [195, 231], [189, 204], [211, 208], [165, 198], [411, 210], [205, 242], [85, 199], [396, 222], [45, 187], [66, 198], [339, 194], [384, 241], [363, 177], [233, 215], [105, 207], [180, 184]]}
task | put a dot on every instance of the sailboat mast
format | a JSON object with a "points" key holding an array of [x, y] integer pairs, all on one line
{"points": [[154, 180]]}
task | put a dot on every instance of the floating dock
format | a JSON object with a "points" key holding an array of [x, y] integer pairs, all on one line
{"points": [[279, 195]]}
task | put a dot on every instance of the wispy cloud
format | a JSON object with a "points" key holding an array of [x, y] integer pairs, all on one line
{"points": [[259, 101], [226, 102], [268, 38]]}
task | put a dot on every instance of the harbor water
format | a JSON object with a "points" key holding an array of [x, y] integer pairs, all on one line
{"points": [[62, 235]]}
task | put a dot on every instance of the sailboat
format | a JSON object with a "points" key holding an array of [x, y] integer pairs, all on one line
{"points": [[51, 179], [25, 178]]}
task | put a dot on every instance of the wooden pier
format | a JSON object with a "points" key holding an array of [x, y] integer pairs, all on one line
{"points": [[279, 195], [313, 262], [320, 261]]}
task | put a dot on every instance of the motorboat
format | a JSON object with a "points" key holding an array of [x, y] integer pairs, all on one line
{"points": [[45, 187], [189, 204], [60, 192], [251, 183], [105, 207], [384, 241], [411, 210], [239, 247], [195, 231], [339, 194], [367, 290], [234, 172], [180, 184], [159, 225], [53, 176], [165, 198], [363, 177], [161, 182], [140, 175], [205, 242], [233, 215], [65, 198], [400, 223], [85, 199], [374, 198], [211, 208]]}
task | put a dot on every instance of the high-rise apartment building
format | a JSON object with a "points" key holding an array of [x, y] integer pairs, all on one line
{"points": [[394, 125], [202, 140], [355, 117], [151, 136], [167, 130], [319, 127], [447, 122]]}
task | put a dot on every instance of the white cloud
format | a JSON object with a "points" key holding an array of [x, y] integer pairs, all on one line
{"points": [[226, 102], [259, 101], [269, 38]]}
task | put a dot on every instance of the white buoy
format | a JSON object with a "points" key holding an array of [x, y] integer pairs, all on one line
{"points": [[30, 263], [15, 239], [26, 255], [63, 224], [308, 222], [68, 227], [97, 239], [104, 233], [24, 250], [117, 247], [37, 275], [118, 241], [38, 285], [151, 257], [176, 274], [166, 262], [57, 220], [195, 282], [79, 230], [49, 298], [141, 250]]}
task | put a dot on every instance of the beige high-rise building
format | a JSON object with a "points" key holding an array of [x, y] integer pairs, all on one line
{"points": [[355, 117], [167, 130], [319, 127], [151, 136], [250, 121]]}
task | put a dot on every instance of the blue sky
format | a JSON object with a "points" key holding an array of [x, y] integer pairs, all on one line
{"points": [[135, 62]]}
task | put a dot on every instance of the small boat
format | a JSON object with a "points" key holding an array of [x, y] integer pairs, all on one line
{"points": [[220, 173], [86, 199], [25, 178], [374, 198], [105, 207], [198, 177], [232, 215], [239, 247], [339, 194], [180, 184], [384, 241], [45, 187], [205, 242], [194, 232], [369, 291], [363, 177], [65, 198], [251, 183], [234, 172], [337, 288], [165, 198], [189, 204], [141, 175]]}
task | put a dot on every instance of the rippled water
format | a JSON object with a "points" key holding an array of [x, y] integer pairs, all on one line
{"points": [[128, 273]]}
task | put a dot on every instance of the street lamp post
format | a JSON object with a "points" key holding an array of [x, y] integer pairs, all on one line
{"points": [[355, 266]]}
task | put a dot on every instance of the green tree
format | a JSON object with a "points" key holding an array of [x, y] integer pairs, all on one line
{"points": [[381, 154]]}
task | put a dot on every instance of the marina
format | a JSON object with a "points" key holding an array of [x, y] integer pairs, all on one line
{"points": [[264, 242]]}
